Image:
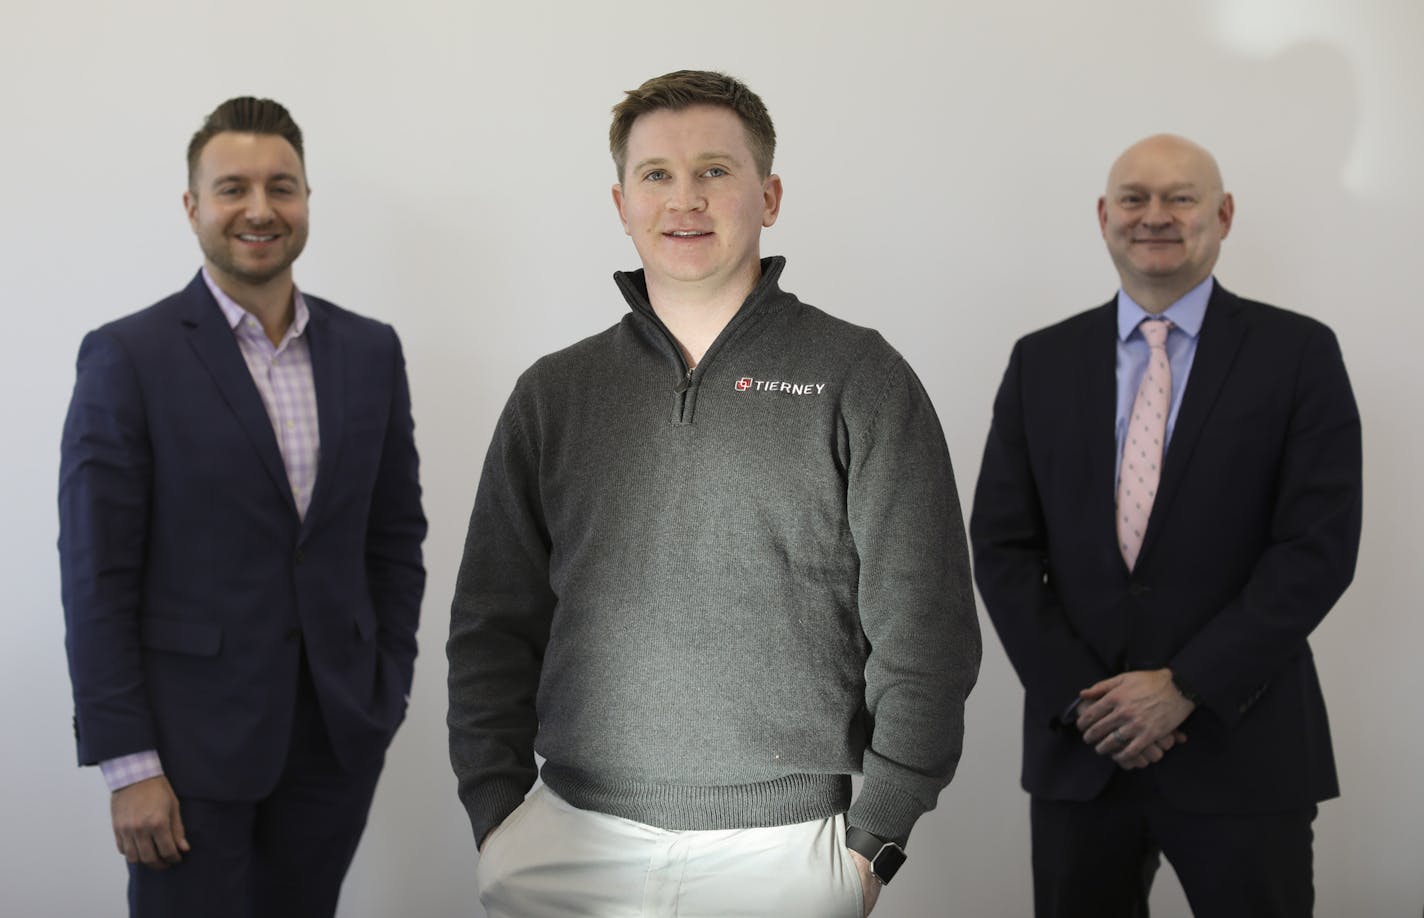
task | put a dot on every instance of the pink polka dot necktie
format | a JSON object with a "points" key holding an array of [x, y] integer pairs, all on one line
{"points": [[1143, 445]]}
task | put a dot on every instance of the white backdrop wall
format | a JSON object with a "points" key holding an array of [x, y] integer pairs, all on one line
{"points": [[941, 162]]}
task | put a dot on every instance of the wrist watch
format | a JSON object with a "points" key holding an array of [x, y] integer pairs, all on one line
{"points": [[885, 856]]}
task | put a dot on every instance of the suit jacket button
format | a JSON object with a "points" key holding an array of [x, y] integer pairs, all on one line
{"points": [[299, 556], [1139, 589], [293, 634]]}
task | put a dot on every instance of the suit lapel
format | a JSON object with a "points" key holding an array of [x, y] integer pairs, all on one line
{"points": [[328, 367], [1223, 330], [1099, 431], [212, 339], [1099, 414]]}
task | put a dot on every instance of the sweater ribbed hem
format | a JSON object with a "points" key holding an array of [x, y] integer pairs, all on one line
{"points": [[679, 807]]}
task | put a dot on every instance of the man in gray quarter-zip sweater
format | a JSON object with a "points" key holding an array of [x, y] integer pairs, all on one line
{"points": [[716, 565]]}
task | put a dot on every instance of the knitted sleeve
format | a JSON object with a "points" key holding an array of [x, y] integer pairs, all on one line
{"points": [[499, 626], [916, 606]]}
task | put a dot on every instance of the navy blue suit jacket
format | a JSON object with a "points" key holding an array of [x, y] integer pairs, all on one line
{"points": [[1252, 538], [190, 584]]}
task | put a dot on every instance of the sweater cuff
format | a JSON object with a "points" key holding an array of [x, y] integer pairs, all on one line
{"points": [[489, 805], [884, 810]]}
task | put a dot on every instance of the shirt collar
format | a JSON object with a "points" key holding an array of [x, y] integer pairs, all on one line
{"points": [[1186, 314], [235, 313]]}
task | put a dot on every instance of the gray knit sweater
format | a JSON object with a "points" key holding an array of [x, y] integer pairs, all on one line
{"points": [[708, 598]]}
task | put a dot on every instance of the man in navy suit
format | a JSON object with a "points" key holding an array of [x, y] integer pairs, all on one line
{"points": [[1165, 511], [240, 531]]}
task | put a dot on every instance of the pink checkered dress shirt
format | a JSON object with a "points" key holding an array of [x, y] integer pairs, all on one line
{"points": [[283, 376]]}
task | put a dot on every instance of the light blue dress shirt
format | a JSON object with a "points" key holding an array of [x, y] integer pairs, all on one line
{"points": [[1132, 353]]}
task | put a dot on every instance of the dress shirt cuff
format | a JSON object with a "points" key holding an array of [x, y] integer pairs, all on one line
{"points": [[131, 769]]}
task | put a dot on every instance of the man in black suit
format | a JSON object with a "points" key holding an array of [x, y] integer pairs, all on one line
{"points": [[1157, 529]]}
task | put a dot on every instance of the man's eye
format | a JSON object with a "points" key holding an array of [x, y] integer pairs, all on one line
{"points": [[657, 175], [715, 172]]}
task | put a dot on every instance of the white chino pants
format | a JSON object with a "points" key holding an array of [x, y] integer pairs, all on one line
{"points": [[549, 859]]}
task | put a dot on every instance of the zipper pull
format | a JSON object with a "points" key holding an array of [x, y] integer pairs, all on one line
{"points": [[685, 383]]}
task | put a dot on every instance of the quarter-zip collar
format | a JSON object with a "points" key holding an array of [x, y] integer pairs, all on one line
{"points": [[634, 288], [758, 304]]}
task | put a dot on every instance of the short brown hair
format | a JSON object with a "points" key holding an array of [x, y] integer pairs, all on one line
{"points": [[245, 115], [683, 89]]}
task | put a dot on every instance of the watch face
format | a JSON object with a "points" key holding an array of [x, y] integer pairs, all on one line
{"points": [[885, 856], [887, 862]]}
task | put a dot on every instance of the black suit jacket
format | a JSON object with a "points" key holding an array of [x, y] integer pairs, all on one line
{"points": [[191, 585], [1252, 538]]}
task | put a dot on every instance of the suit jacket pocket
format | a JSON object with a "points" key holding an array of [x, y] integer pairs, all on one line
{"points": [[202, 639]]}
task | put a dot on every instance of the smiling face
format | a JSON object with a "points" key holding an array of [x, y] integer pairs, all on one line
{"points": [[1163, 218], [247, 203], [694, 202]]}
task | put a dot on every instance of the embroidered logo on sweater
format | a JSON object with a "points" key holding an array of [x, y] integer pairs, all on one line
{"points": [[747, 384]]}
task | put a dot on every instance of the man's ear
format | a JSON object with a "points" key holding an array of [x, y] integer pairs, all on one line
{"points": [[771, 199], [1226, 213], [618, 203], [190, 207]]}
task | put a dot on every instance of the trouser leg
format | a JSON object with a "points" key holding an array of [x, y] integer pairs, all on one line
{"points": [[307, 830], [1093, 858], [1257, 865]]}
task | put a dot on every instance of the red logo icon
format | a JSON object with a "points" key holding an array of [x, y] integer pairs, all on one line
{"points": [[744, 384]]}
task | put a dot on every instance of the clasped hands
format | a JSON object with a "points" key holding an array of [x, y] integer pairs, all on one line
{"points": [[1133, 717]]}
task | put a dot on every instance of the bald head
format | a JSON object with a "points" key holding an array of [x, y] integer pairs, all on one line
{"points": [[1163, 216], [1189, 158]]}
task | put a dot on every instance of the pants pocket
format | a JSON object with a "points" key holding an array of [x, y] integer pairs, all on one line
{"points": [[853, 881], [487, 867]]}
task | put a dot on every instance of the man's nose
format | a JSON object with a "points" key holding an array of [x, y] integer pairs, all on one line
{"points": [[687, 195], [259, 207], [1157, 212]]}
